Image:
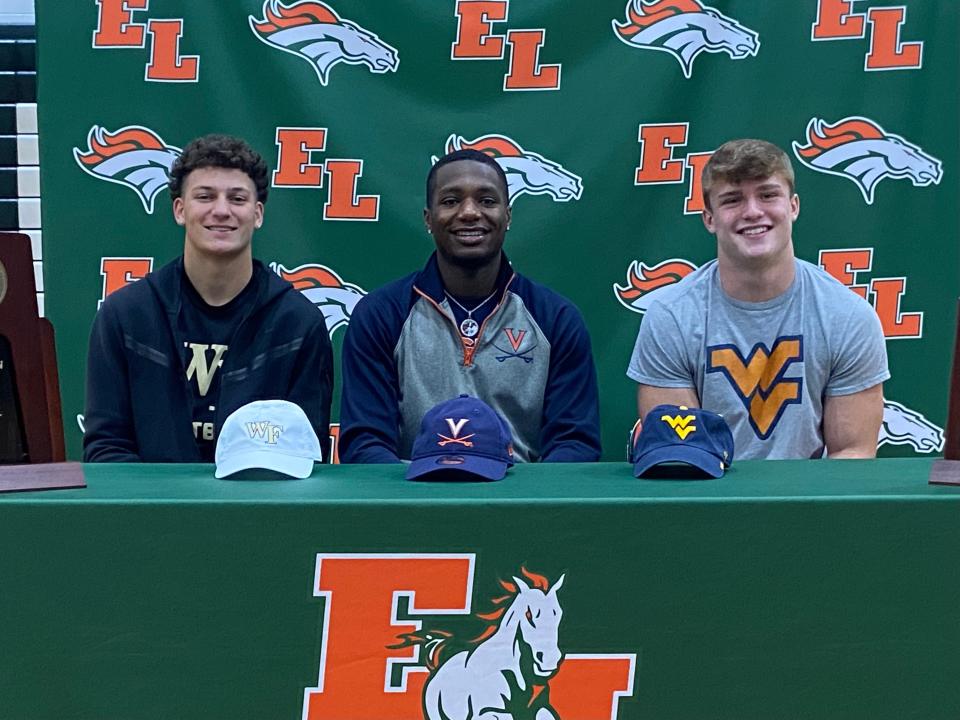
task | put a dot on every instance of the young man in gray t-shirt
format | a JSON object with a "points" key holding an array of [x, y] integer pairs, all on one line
{"points": [[791, 358]]}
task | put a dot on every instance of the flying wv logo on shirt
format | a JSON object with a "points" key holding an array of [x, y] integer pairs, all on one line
{"points": [[759, 379]]}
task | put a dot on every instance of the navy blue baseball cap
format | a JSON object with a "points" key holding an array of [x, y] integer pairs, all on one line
{"points": [[461, 439], [676, 434]]}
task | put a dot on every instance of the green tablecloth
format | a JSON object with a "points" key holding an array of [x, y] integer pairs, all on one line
{"points": [[807, 589]]}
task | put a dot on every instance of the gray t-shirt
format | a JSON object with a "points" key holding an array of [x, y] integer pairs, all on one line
{"points": [[765, 367]]}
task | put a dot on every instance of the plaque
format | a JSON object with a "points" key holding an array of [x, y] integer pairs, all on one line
{"points": [[31, 425], [947, 471]]}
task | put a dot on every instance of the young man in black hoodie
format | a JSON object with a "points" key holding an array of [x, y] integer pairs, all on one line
{"points": [[173, 355]]}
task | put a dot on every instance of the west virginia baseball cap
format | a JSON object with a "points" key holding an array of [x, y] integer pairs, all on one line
{"points": [[461, 439], [678, 435], [269, 434]]}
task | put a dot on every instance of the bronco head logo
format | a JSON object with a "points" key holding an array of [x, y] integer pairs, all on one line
{"points": [[133, 156], [506, 669], [335, 298], [903, 426], [644, 283], [527, 172], [858, 149], [313, 31], [684, 28]]}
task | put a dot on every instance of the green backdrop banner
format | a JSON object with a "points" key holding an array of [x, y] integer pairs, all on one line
{"points": [[602, 115]]}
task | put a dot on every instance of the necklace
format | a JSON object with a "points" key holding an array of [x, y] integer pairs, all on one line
{"points": [[469, 326]]}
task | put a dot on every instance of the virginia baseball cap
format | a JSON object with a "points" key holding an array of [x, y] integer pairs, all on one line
{"points": [[269, 434], [678, 435], [461, 439]]}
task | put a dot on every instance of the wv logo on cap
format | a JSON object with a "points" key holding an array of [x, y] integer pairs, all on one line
{"points": [[264, 430], [644, 282], [527, 172], [684, 28], [323, 287], [313, 31], [860, 150], [133, 156], [682, 424]]}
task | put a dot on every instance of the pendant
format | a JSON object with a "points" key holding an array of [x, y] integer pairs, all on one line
{"points": [[469, 327]]}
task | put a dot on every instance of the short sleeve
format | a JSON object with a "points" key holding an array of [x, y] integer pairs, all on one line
{"points": [[659, 356], [860, 359]]}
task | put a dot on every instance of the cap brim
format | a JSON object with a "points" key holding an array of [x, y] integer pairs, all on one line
{"points": [[694, 457], [456, 467], [291, 465]]}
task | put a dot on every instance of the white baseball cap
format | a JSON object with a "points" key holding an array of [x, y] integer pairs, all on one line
{"points": [[269, 434]]}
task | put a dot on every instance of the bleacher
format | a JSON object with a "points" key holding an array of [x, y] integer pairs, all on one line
{"points": [[19, 154]]}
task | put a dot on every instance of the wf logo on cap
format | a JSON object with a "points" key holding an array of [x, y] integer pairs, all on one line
{"points": [[264, 430], [269, 434], [461, 439], [672, 435]]}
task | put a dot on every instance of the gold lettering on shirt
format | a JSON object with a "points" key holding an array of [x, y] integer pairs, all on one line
{"points": [[198, 364]]}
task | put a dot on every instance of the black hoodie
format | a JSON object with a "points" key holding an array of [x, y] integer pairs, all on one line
{"points": [[138, 404]]}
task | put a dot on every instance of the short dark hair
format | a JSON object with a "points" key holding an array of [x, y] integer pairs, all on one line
{"points": [[219, 151], [739, 160], [457, 155]]}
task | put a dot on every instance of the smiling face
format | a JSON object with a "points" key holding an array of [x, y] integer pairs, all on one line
{"points": [[753, 221], [468, 213], [219, 210]]}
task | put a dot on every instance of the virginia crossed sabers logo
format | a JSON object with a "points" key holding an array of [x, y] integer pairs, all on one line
{"points": [[759, 379], [456, 426], [515, 337]]}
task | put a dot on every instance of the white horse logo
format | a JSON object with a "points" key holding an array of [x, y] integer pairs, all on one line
{"points": [[133, 156], [645, 283], [684, 28], [903, 426], [313, 31], [860, 150], [504, 673], [527, 172], [323, 287]]}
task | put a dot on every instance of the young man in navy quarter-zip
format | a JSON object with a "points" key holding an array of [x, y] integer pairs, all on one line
{"points": [[467, 323], [171, 356]]}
